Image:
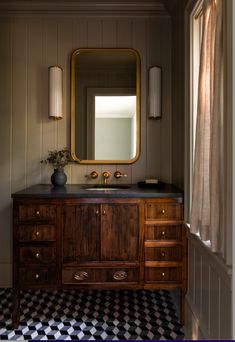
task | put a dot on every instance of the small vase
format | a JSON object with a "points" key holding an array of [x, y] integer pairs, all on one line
{"points": [[59, 178]]}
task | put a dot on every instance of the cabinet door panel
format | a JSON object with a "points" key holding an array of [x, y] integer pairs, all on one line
{"points": [[120, 232], [81, 233]]}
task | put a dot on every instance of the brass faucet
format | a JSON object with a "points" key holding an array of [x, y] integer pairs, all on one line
{"points": [[106, 175]]}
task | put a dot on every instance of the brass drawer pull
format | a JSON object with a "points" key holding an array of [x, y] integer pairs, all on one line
{"points": [[37, 276], [81, 276], [104, 212], [163, 274], [37, 233], [37, 255], [163, 254], [163, 212], [163, 233], [119, 275], [97, 212], [37, 213]]}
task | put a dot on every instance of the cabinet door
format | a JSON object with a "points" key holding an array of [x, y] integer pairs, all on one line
{"points": [[81, 233], [120, 232]]}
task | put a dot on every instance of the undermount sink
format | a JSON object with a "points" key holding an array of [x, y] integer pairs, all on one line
{"points": [[110, 187]]}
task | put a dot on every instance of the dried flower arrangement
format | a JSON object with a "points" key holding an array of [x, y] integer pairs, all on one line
{"points": [[58, 159]]}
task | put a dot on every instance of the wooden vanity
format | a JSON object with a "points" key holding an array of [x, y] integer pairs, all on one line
{"points": [[74, 238]]}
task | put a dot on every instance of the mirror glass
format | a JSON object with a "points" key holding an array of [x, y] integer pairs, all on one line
{"points": [[105, 106]]}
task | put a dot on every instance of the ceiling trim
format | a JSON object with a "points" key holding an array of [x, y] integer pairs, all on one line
{"points": [[85, 8]]}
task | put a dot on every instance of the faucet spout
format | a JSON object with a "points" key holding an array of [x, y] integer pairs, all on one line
{"points": [[106, 175]]}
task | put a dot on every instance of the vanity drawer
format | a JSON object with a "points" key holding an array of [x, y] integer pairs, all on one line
{"points": [[160, 233], [173, 253], [37, 212], [100, 275], [163, 274], [37, 255], [31, 233], [163, 211], [33, 276]]}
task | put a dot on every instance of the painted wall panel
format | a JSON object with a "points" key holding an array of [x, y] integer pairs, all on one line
{"points": [[29, 45]]}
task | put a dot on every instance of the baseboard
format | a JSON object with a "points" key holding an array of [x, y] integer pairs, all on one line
{"points": [[192, 329], [5, 275]]}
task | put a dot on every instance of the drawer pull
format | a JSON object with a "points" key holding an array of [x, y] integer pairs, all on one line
{"points": [[163, 274], [37, 276], [120, 275], [97, 212], [37, 233], [104, 212], [81, 276], [163, 254], [37, 213], [37, 255], [163, 212], [163, 233]]}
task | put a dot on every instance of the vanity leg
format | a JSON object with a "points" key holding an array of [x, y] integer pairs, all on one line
{"points": [[182, 307], [16, 308]]}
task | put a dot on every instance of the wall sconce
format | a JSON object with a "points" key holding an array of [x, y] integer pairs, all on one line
{"points": [[155, 92], [55, 93]]}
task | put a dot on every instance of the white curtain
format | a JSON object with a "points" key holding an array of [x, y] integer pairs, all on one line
{"points": [[206, 208]]}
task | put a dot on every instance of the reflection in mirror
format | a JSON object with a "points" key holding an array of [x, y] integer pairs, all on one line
{"points": [[105, 105]]}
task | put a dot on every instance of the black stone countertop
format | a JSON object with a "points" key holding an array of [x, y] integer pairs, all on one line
{"points": [[79, 191]]}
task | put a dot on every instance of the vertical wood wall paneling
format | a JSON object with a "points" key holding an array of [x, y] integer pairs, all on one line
{"points": [[225, 311], [140, 44], [49, 126], [34, 99], [166, 120], [65, 48], [19, 103], [214, 305], [191, 272], [205, 295], [5, 141], [153, 126], [198, 284], [80, 40]]}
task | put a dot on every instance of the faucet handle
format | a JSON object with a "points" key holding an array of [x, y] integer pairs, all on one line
{"points": [[119, 174], [94, 174], [106, 174]]}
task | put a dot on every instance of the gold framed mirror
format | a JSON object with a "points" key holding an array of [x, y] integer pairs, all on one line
{"points": [[105, 106]]}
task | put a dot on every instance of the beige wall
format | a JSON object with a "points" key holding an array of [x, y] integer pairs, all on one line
{"points": [[29, 45]]}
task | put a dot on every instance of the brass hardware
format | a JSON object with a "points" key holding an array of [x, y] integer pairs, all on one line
{"points": [[37, 255], [119, 275], [37, 213], [37, 276], [119, 174], [163, 274], [104, 212], [163, 254], [163, 233], [106, 175], [81, 276], [163, 212], [37, 233], [94, 174], [97, 212]]}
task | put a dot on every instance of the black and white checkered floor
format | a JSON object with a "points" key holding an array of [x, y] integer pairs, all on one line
{"points": [[91, 315]]}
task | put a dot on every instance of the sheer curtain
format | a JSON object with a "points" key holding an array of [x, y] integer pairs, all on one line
{"points": [[206, 208]]}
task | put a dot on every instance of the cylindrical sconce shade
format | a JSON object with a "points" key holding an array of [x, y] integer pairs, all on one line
{"points": [[55, 92], [155, 92]]}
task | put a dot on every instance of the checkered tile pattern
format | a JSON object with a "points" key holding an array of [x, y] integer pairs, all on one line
{"points": [[91, 315]]}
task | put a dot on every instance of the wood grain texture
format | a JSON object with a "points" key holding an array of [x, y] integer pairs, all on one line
{"points": [[81, 233], [120, 232]]}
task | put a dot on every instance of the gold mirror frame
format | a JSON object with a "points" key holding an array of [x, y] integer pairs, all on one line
{"points": [[72, 116]]}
